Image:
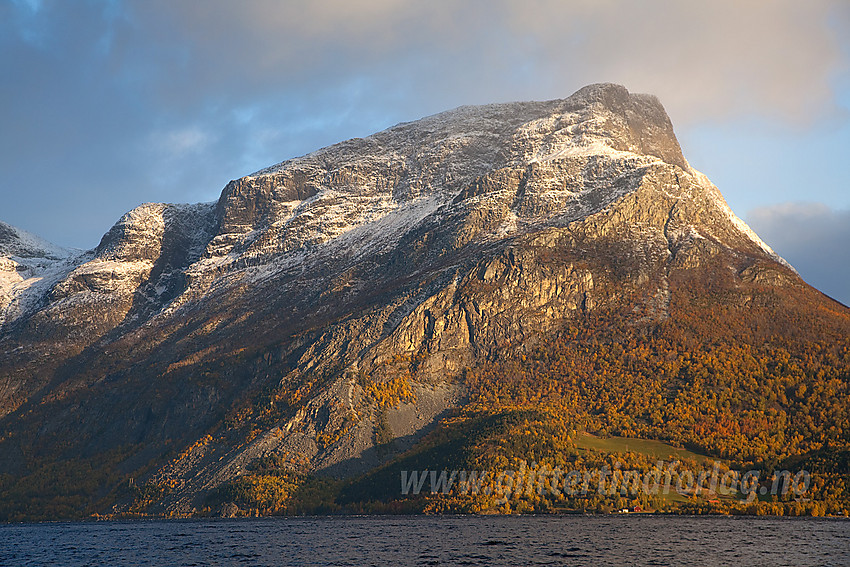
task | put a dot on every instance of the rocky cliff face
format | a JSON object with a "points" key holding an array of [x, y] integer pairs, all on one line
{"points": [[274, 319]]}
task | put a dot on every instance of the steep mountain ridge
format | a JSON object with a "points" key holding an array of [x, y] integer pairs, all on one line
{"points": [[29, 265], [329, 295]]}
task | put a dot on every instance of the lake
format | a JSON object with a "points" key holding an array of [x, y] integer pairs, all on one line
{"points": [[432, 540]]}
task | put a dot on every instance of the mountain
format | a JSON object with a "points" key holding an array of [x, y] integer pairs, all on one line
{"points": [[335, 312], [25, 262]]}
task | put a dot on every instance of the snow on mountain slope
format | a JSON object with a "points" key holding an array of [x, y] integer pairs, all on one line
{"points": [[20, 243], [29, 267], [137, 265], [737, 221], [284, 308], [514, 167], [560, 146]]}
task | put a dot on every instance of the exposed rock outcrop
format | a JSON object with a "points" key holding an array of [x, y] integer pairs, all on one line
{"points": [[402, 258]]}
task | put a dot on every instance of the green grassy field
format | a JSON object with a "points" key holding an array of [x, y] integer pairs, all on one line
{"points": [[656, 449]]}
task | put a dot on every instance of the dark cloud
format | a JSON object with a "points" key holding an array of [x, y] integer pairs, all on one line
{"points": [[814, 238], [105, 105]]}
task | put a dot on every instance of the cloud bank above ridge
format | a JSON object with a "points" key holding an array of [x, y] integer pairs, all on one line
{"points": [[813, 238], [118, 103]]}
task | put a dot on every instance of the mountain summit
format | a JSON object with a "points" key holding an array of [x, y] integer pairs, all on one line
{"points": [[327, 311]]}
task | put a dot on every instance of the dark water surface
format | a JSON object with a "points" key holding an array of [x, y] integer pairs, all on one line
{"points": [[415, 540]]}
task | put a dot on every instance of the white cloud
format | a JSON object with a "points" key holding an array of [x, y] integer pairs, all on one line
{"points": [[179, 142], [705, 60], [176, 97]]}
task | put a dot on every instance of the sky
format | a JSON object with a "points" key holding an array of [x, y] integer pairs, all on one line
{"points": [[108, 104]]}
